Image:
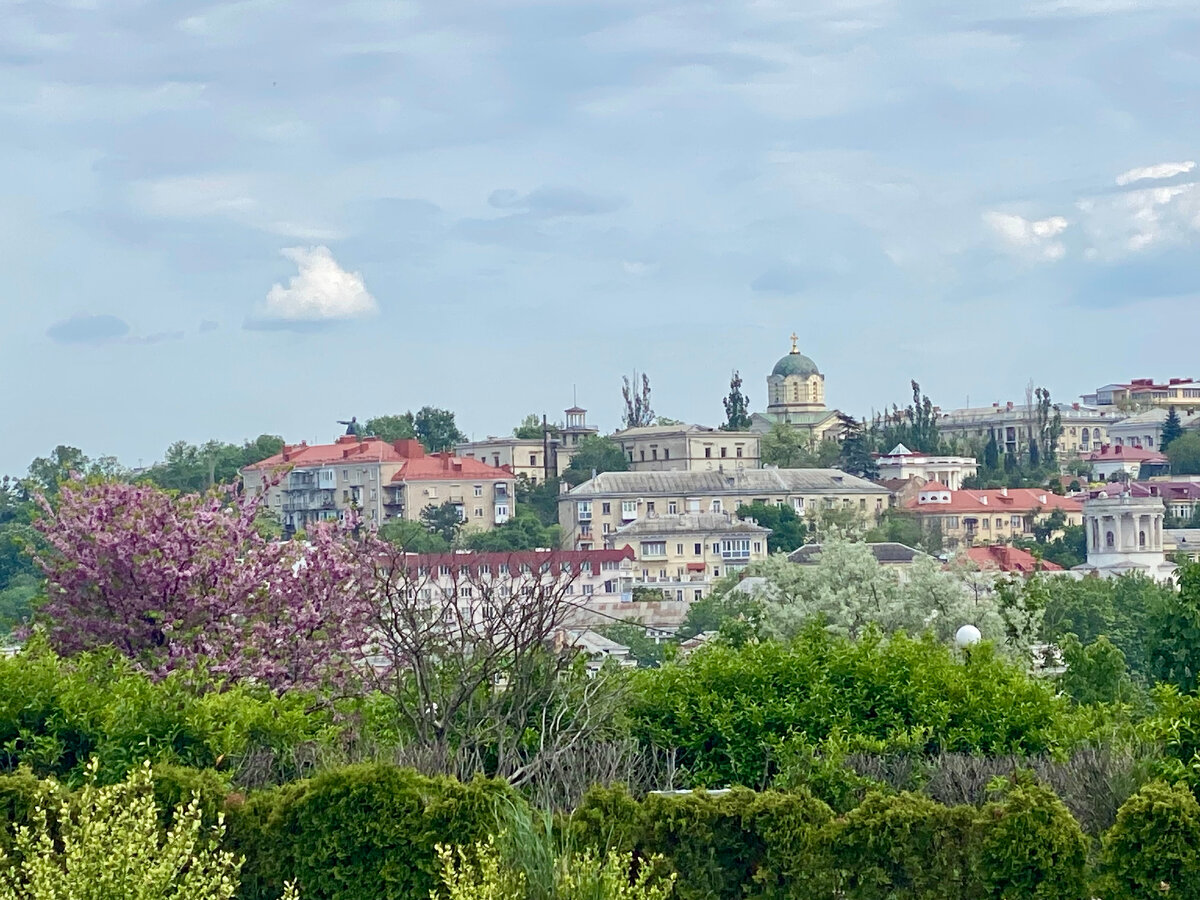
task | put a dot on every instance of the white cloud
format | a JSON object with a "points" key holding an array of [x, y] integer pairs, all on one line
{"points": [[1162, 170], [1121, 224], [1035, 237], [195, 196], [322, 291]]}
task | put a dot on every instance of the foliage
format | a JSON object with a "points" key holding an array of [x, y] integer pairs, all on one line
{"points": [[391, 428], [788, 448], [720, 607], [1153, 849], [1172, 429], [1096, 673], [1175, 631], [436, 430], [737, 406], [444, 520], [106, 842], [413, 537], [729, 712], [524, 531], [855, 456], [1184, 454], [902, 527], [1030, 846], [541, 498], [638, 412], [181, 582], [530, 428], [914, 426], [359, 832], [642, 648], [848, 591], [196, 467], [594, 454], [788, 530]]}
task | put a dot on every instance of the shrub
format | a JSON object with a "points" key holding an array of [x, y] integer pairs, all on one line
{"points": [[1030, 848], [1153, 849]]}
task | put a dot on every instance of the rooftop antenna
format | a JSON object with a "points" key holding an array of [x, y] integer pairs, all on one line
{"points": [[574, 396]]}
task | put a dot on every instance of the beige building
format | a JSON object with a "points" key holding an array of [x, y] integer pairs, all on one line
{"points": [[688, 448], [528, 457], [987, 517], [796, 397], [1083, 428], [306, 483], [902, 464], [1144, 393], [592, 511], [683, 554]]}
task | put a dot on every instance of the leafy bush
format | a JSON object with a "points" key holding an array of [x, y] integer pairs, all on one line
{"points": [[1153, 849], [359, 832], [730, 711]]}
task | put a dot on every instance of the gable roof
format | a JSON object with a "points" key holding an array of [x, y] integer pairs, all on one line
{"points": [[1000, 501], [1005, 558], [739, 482]]}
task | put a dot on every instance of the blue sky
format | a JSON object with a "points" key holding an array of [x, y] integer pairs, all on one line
{"points": [[224, 219]]}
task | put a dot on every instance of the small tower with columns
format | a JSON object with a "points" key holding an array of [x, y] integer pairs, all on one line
{"points": [[1125, 534]]}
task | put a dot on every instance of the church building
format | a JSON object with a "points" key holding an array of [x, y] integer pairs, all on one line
{"points": [[796, 397]]}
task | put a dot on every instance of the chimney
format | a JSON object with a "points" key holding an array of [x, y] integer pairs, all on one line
{"points": [[1009, 406], [1004, 491], [409, 448]]}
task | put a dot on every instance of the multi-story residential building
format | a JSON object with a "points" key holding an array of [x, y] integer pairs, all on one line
{"points": [[903, 464], [1083, 428], [1116, 462], [536, 459], [1145, 429], [987, 517], [688, 448], [796, 398], [683, 554], [381, 481], [595, 509], [1142, 393]]}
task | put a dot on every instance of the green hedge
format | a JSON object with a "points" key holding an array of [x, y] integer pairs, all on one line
{"points": [[1153, 849]]}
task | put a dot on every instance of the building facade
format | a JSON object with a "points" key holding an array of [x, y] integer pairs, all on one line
{"points": [[592, 511], [684, 554], [967, 517], [1125, 534], [796, 398], [903, 464], [533, 458], [306, 484], [1083, 428], [688, 448], [1145, 393], [1116, 462]]}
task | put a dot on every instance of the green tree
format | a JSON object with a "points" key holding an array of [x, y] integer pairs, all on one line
{"points": [[991, 453], [638, 412], [595, 453], [898, 526], [524, 531], [855, 454], [436, 429], [444, 520], [1096, 673], [1184, 454], [788, 530], [737, 406], [413, 537], [1175, 626], [915, 426], [720, 607], [1172, 429], [787, 448], [540, 498], [530, 428], [391, 428]]}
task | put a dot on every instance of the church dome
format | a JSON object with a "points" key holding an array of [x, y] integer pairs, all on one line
{"points": [[795, 363]]}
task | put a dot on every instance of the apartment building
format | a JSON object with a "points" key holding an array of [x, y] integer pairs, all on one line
{"points": [[382, 481], [902, 464], [1145, 429], [598, 507], [1128, 463], [688, 448], [535, 459], [987, 517], [1083, 428], [684, 554], [1143, 393]]}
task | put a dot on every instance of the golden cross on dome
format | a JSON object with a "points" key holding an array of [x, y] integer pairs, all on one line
{"points": [[795, 349]]}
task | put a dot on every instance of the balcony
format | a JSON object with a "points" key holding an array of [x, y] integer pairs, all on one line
{"points": [[308, 500]]}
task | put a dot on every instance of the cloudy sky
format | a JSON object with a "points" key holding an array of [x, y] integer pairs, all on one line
{"points": [[221, 219]]}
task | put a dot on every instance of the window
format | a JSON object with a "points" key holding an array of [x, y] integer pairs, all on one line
{"points": [[464, 592], [628, 509], [672, 507], [479, 490], [585, 510], [604, 528], [1016, 522], [987, 524], [649, 506], [951, 523], [502, 568], [643, 454], [654, 453], [697, 549], [485, 569], [433, 490], [999, 522], [693, 506], [708, 452], [739, 452], [716, 506], [716, 571], [654, 549], [735, 549], [501, 512], [666, 452], [588, 589], [758, 546], [532, 459], [724, 452], [525, 570], [443, 570], [606, 508], [716, 547], [679, 549], [479, 512]]}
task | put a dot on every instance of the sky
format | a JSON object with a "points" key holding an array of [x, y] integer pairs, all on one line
{"points": [[225, 219]]}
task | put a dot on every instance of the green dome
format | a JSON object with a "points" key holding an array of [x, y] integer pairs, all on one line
{"points": [[795, 363]]}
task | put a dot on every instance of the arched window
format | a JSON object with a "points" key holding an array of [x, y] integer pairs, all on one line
{"points": [[1142, 540], [1109, 540]]}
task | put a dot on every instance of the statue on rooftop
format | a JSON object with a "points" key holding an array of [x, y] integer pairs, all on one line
{"points": [[351, 425]]}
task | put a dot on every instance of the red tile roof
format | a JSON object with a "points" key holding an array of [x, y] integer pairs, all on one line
{"points": [[1011, 501], [471, 560], [1009, 559], [445, 467], [408, 453], [1113, 453]]}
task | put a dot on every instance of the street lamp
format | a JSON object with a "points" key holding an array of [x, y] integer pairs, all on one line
{"points": [[966, 637]]}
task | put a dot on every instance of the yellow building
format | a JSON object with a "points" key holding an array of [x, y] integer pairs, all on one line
{"points": [[1083, 429], [683, 554], [796, 398], [688, 448], [527, 457], [967, 518]]}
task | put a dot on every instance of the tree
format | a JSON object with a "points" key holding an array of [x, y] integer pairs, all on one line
{"points": [[436, 430], [540, 498], [594, 454], [901, 527], [915, 426], [991, 453], [1184, 454], [788, 530], [638, 412], [189, 581], [523, 531], [530, 428], [107, 842], [1096, 673], [444, 520], [1044, 445], [1172, 428], [855, 454], [737, 406], [391, 428], [413, 537], [190, 467], [785, 447]]}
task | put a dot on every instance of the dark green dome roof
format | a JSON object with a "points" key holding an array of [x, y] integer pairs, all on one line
{"points": [[795, 363]]}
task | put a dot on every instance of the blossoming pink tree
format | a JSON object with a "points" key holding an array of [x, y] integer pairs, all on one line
{"points": [[181, 582]]}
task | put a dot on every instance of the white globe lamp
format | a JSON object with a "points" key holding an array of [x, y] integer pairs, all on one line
{"points": [[967, 637]]}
